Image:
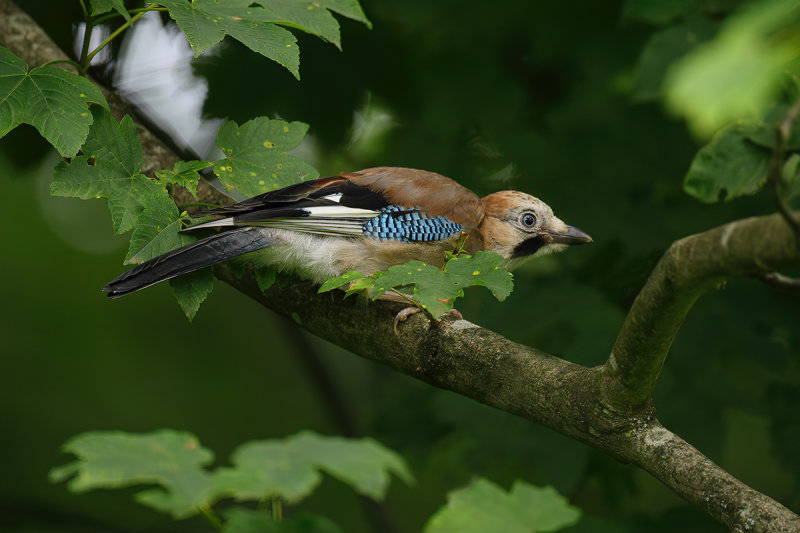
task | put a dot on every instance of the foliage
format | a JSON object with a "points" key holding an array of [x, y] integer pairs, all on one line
{"points": [[740, 72], [258, 24], [51, 99], [286, 471], [173, 460], [482, 505], [291, 469], [739, 86], [731, 165], [255, 161], [184, 173], [435, 290], [110, 167], [269, 470], [104, 6]]}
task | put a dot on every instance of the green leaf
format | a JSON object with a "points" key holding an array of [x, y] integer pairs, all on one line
{"points": [[430, 289], [360, 285], [157, 232], [185, 174], [114, 459], [364, 464], [662, 50], [656, 11], [206, 22], [348, 8], [256, 161], [728, 167], [52, 100], [110, 168], [436, 290], [765, 132], [482, 505], [240, 520], [339, 281], [265, 277], [290, 468], [740, 72], [104, 6], [192, 289], [483, 269]]}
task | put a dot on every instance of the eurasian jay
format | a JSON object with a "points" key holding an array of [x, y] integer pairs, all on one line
{"points": [[364, 221]]}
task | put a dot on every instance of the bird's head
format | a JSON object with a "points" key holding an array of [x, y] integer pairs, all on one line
{"points": [[518, 226]]}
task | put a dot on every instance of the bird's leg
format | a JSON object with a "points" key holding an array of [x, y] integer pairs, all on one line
{"points": [[411, 310], [403, 314]]}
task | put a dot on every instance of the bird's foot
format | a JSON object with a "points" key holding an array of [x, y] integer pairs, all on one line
{"points": [[403, 315], [406, 312]]}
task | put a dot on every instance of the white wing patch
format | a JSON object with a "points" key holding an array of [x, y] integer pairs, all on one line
{"points": [[213, 224], [334, 197], [339, 211], [326, 220]]}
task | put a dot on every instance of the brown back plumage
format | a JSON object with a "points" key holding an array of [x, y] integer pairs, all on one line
{"points": [[436, 194]]}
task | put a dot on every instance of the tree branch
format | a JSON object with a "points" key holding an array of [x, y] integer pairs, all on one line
{"points": [[779, 281], [690, 267], [583, 403]]}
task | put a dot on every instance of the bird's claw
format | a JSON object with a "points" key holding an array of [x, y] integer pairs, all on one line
{"points": [[403, 315], [406, 312]]}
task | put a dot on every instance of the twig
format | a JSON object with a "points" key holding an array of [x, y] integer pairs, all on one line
{"points": [[779, 281], [88, 60], [782, 133]]}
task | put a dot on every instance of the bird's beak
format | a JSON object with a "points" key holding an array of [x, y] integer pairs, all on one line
{"points": [[572, 235]]}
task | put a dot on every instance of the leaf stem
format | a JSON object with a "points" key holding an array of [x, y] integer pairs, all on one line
{"points": [[197, 204], [83, 8], [110, 38], [69, 61], [87, 38], [115, 14], [277, 509], [212, 517]]}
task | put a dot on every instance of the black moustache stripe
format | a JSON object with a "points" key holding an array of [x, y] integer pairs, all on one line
{"points": [[528, 246]]}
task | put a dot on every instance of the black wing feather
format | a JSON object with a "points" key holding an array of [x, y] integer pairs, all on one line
{"points": [[312, 193]]}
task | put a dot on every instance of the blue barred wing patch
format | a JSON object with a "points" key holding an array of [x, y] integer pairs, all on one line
{"points": [[409, 225]]}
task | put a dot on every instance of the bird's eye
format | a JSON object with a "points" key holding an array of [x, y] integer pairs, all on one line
{"points": [[528, 220]]}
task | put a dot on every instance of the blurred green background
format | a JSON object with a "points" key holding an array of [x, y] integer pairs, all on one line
{"points": [[541, 97]]}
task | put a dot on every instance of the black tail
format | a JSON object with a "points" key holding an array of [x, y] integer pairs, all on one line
{"points": [[189, 258]]}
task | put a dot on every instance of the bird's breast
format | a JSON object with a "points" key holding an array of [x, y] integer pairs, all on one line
{"points": [[319, 258]]}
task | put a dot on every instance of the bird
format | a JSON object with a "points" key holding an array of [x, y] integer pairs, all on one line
{"points": [[363, 221]]}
